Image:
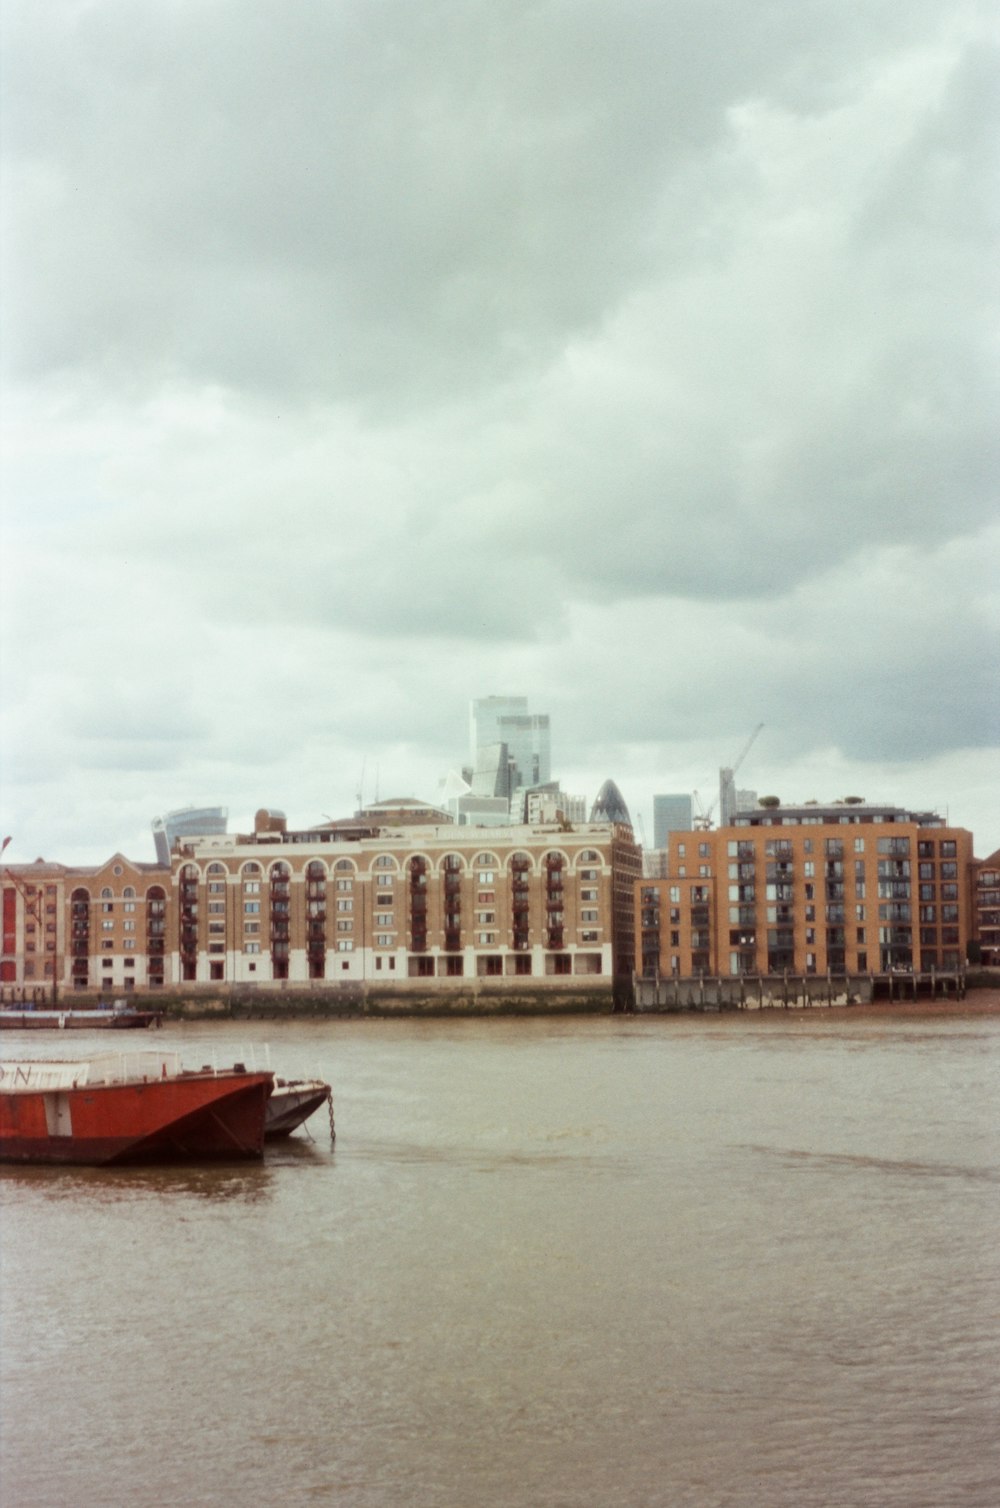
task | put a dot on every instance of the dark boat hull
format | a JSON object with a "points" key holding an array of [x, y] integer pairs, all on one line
{"points": [[291, 1105], [13, 1020]]}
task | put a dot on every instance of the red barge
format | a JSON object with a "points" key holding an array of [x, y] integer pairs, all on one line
{"points": [[130, 1107]]}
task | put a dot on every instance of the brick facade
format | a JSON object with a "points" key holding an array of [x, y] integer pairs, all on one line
{"points": [[852, 890], [406, 907]]}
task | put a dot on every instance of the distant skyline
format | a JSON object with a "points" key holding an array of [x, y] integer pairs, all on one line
{"points": [[358, 361]]}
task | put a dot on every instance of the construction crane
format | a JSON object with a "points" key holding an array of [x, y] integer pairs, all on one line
{"points": [[727, 773]]}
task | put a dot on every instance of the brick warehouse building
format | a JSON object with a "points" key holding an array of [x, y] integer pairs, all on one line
{"points": [[410, 909], [844, 889]]}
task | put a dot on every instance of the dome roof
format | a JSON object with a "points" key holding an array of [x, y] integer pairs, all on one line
{"points": [[610, 805]]}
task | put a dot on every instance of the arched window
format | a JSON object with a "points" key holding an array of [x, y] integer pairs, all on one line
{"points": [[417, 869], [129, 892], [106, 892], [519, 866], [156, 932], [80, 935], [188, 898], [485, 861], [589, 856], [554, 868], [316, 918], [251, 867], [216, 869], [451, 868], [345, 866], [280, 908]]}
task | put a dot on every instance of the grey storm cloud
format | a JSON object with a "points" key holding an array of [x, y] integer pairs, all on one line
{"points": [[384, 203], [363, 358]]}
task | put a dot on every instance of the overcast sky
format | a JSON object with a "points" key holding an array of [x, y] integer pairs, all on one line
{"points": [[363, 358]]}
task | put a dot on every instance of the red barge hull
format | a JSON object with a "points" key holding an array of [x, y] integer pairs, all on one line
{"points": [[177, 1117]]}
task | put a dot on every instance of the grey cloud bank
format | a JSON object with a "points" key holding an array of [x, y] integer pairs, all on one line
{"points": [[359, 360]]}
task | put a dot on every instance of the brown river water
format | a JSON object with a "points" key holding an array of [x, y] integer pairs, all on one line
{"points": [[690, 1260]]}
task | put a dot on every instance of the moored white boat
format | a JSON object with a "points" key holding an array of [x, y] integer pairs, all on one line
{"points": [[291, 1104]]}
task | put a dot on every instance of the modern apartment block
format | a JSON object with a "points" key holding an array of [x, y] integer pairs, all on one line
{"points": [[986, 903], [411, 906], [844, 889]]}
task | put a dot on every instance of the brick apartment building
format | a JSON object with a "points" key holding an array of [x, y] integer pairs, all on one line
{"points": [[843, 889], [414, 908]]}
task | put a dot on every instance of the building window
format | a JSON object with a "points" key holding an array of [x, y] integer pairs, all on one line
{"points": [[251, 908], [251, 947], [345, 946]]}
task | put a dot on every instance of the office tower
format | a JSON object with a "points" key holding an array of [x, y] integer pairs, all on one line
{"points": [[187, 822], [497, 720], [610, 806], [671, 814]]}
